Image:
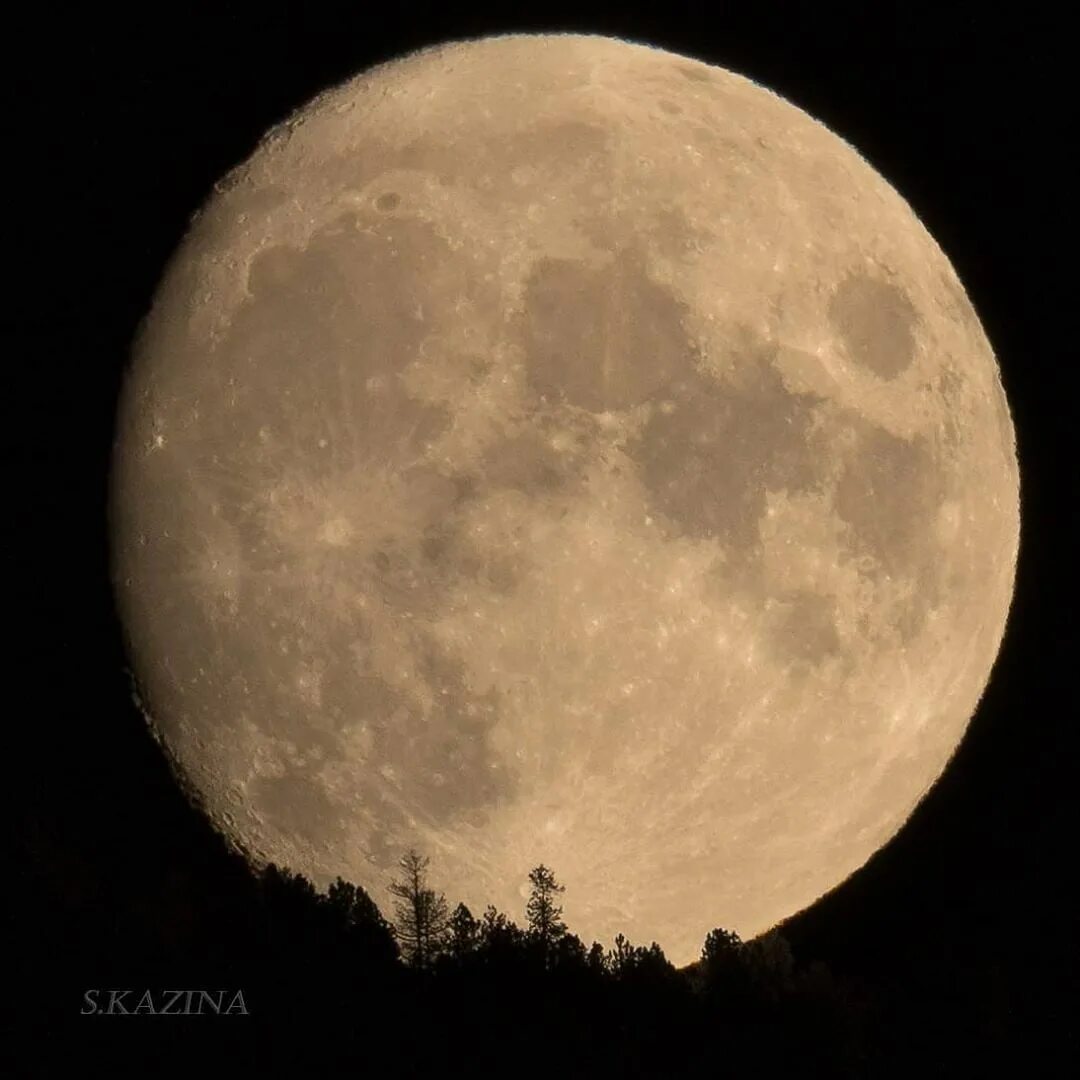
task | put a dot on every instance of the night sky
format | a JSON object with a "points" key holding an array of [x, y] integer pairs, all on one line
{"points": [[118, 125]]}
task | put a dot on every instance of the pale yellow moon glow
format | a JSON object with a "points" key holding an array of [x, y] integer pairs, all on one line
{"points": [[553, 449]]}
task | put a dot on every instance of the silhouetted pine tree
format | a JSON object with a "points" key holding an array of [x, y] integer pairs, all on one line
{"points": [[421, 918], [546, 926], [621, 958], [638, 964], [463, 937], [567, 952], [289, 905], [596, 961], [722, 973], [770, 965], [355, 922], [503, 944]]}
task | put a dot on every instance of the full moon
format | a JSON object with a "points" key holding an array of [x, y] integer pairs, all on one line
{"points": [[549, 448]]}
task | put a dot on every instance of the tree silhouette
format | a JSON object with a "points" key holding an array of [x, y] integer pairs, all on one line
{"points": [[567, 951], [720, 948], [638, 964], [723, 972], [497, 930], [288, 903], [546, 926], [621, 957], [770, 965], [421, 918], [502, 942], [596, 960], [355, 921], [463, 937]]}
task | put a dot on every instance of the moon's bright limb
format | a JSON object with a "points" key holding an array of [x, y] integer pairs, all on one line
{"points": [[551, 449]]}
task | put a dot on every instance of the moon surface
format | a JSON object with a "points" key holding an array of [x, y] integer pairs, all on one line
{"points": [[554, 449]]}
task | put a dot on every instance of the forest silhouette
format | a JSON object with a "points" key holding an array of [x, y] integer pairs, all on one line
{"points": [[434, 989], [470, 992], [333, 985]]}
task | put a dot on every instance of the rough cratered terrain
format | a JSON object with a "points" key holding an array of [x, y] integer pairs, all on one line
{"points": [[552, 449]]}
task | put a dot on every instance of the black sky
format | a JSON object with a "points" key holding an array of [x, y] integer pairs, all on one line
{"points": [[119, 124]]}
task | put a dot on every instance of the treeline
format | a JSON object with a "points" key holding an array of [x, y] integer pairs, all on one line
{"points": [[333, 985], [473, 987]]}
